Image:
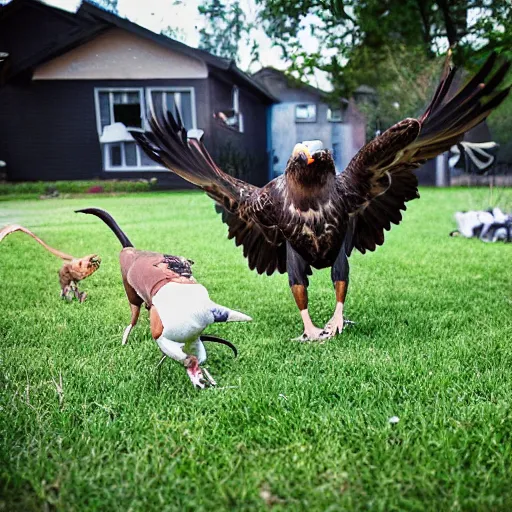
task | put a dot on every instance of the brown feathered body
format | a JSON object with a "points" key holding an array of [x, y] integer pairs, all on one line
{"points": [[310, 208]]}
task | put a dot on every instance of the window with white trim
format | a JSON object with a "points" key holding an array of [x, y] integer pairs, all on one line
{"points": [[119, 109], [232, 117], [305, 113], [167, 99], [335, 115], [126, 106]]}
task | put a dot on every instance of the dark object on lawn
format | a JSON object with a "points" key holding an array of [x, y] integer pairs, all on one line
{"points": [[179, 307], [488, 226], [73, 269], [474, 157], [312, 217]]}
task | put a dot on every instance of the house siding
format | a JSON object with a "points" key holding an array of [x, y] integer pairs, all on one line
{"points": [[287, 131], [227, 145], [48, 129]]}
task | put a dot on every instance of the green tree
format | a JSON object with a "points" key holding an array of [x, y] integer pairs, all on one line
{"points": [[355, 35], [395, 46], [108, 5], [225, 29]]}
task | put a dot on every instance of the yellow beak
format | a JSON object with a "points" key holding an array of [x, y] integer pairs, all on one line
{"points": [[301, 148]]}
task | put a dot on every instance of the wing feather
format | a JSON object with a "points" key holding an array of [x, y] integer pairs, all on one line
{"points": [[237, 201], [379, 180]]}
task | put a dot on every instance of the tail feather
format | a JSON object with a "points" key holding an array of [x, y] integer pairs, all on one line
{"points": [[110, 222], [7, 230]]}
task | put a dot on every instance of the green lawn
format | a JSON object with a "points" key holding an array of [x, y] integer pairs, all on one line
{"points": [[291, 426]]}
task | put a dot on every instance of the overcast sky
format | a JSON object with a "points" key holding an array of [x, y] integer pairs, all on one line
{"points": [[158, 14]]}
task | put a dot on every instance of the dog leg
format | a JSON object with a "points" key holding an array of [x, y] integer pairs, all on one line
{"points": [[135, 317]]}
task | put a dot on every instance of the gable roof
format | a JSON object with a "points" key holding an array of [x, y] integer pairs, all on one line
{"points": [[90, 21], [263, 74]]}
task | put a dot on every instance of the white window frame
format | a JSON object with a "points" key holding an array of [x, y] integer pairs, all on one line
{"points": [[332, 119], [191, 90], [145, 104], [235, 100], [306, 119]]}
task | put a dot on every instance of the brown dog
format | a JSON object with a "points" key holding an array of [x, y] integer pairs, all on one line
{"points": [[73, 269], [179, 307]]}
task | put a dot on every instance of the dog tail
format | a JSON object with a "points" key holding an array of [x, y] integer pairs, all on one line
{"points": [[7, 230], [110, 222], [222, 341]]}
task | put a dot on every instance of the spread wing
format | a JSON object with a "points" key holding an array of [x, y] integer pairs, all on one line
{"points": [[379, 180], [240, 203]]}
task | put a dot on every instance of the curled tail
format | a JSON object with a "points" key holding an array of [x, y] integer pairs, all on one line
{"points": [[7, 230], [110, 222], [222, 341]]}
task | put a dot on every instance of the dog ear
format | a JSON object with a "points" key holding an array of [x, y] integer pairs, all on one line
{"points": [[223, 314]]}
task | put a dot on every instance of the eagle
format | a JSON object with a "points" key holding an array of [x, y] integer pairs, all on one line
{"points": [[312, 217]]}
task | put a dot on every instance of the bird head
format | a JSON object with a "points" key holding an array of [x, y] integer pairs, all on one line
{"points": [[302, 155], [310, 163], [81, 268]]}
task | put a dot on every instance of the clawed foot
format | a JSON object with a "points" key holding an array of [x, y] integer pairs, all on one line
{"points": [[71, 291], [195, 373], [335, 326], [313, 334], [200, 378]]}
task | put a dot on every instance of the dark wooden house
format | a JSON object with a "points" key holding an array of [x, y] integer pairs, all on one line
{"points": [[70, 84]]}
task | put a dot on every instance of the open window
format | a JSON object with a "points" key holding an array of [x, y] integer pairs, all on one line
{"points": [[232, 117], [117, 110], [305, 113]]}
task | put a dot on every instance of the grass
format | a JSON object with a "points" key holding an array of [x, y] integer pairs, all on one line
{"points": [[291, 426]]}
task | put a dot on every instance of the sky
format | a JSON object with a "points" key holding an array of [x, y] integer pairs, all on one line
{"points": [[184, 16]]}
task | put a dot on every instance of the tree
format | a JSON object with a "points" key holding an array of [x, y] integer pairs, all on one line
{"points": [[225, 28], [395, 46], [108, 5], [353, 33]]}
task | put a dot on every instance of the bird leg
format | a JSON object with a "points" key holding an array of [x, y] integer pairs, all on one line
{"points": [[339, 276], [336, 323], [311, 332], [298, 270]]}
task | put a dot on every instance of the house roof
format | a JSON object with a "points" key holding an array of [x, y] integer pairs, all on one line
{"points": [[365, 89], [291, 82], [90, 20]]}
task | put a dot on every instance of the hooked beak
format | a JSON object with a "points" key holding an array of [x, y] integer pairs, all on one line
{"points": [[302, 151]]}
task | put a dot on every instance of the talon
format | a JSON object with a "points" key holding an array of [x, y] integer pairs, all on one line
{"points": [[335, 326], [211, 380], [318, 335]]}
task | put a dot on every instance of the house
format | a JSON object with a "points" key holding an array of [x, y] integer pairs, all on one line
{"points": [[71, 83], [306, 113]]}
